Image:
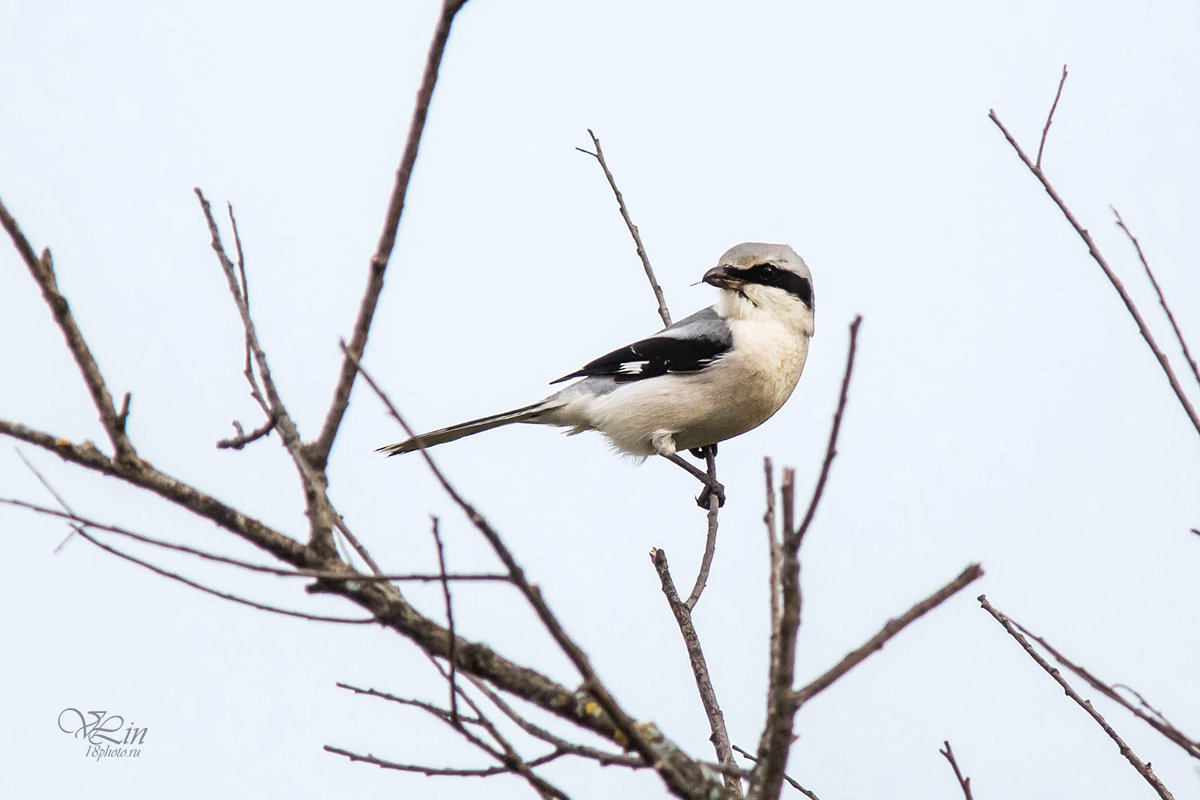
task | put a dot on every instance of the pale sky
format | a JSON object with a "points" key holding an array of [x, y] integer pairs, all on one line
{"points": [[1004, 408]]}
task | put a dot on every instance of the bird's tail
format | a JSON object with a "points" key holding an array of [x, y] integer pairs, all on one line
{"points": [[443, 435]]}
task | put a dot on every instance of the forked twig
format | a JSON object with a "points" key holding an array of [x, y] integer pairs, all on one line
{"points": [[1154, 718], [1098, 257], [1050, 117], [1142, 767], [963, 783]]}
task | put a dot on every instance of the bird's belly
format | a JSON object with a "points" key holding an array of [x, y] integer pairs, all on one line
{"points": [[698, 409]]}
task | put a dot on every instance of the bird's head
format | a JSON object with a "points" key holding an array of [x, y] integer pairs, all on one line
{"points": [[760, 278]]}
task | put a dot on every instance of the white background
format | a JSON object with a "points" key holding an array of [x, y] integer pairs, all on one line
{"points": [[1003, 409]]}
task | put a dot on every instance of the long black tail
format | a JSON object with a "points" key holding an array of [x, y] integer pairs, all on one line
{"points": [[443, 435]]}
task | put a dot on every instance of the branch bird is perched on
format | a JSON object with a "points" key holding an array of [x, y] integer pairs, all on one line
{"points": [[706, 378]]}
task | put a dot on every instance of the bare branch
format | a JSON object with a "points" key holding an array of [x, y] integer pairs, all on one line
{"points": [[893, 626], [1050, 117], [831, 448], [776, 555], [1154, 718], [142, 474], [684, 776], [710, 539], [1142, 767], [441, 554], [791, 781], [708, 695], [1098, 257], [319, 511], [42, 270], [1161, 299], [326, 575], [602, 757], [443, 714], [782, 703], [318, 452], [209, 590], [242, 438], [663, 313], [963, 783]]}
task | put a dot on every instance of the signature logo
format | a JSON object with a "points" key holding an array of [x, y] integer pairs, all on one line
{"points": [[106, 735]]}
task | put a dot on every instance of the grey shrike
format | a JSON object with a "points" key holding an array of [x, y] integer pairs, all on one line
{"points": [[706, 378]]}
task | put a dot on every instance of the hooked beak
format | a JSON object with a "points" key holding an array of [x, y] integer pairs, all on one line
{"points": [[723, 278]]}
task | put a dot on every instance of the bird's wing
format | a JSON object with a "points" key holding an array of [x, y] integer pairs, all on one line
{"points": [[689, 345]]}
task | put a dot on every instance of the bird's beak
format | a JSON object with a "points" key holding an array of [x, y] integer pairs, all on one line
{"points": [[723, 278]]}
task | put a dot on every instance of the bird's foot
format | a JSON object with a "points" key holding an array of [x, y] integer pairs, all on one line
{"points": [[715, 488]]}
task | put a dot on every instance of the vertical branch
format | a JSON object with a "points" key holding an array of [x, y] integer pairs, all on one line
{"points": [[663, 313], [450, 678], [963, 783], [710, 539], [1046, 129], [782, 701], [319, 450]]}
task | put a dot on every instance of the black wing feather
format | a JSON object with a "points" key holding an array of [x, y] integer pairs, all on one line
{"points": [[706, 340]]}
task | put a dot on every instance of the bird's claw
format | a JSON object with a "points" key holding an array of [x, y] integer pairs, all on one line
{"points": [[711, 489]]}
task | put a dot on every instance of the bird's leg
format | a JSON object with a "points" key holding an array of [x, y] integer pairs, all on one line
{"points": [[709, 478]]}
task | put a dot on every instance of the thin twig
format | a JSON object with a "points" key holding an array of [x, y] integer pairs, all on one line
{"points": [[663, 313], [1142, 767], [42, 270], [209, 590], [793, 539], [242, 438], [1096, 255], [67, 511], [437, 711], [508, 755], [963, 783], [1154, 719], [710, 538], [327, 575], [441, 554], [318, 452], [791, 781], [602, 757], [708, 695], [1050, 117], [1161, 299], [893, 626]]}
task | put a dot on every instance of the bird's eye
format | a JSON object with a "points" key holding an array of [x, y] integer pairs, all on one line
{"points": [[766, 272]]}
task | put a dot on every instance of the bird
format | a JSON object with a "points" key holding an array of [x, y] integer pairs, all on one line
{"points": [[706, 378]]}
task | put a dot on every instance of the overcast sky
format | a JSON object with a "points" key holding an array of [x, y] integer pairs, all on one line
{"points": [[1004, 408]]}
